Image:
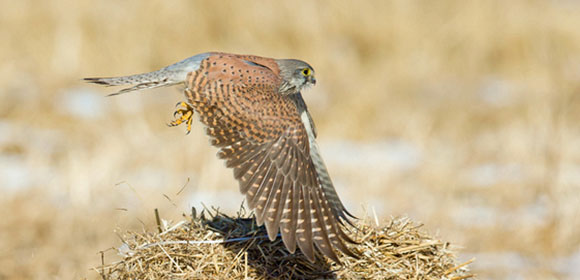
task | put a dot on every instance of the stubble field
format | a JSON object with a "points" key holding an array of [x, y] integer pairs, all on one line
{"points": [[462, 115]]}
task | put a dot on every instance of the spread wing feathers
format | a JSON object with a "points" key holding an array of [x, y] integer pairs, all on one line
{"points": [[281, 184], [335, 204], [261, 136], [337, 207]]}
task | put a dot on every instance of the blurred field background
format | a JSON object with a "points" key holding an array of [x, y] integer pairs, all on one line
{"points": [[463, 115]]}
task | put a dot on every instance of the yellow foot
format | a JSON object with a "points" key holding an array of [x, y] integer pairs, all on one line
{"points": [[184, 114]]}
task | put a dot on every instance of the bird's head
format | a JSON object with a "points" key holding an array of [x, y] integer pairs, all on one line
{"points": [[296, 75]]}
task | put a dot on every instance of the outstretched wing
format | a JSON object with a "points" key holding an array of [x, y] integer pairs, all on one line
{"points": [[262, 137]]}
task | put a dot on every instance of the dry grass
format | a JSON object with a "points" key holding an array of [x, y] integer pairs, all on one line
{"points": [[223, 247], [462, 114]]}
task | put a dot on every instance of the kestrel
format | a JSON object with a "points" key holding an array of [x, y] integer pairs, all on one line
{"points": [[254, 113]]}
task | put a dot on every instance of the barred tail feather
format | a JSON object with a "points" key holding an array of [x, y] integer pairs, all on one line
{"points": [[168, 76]]}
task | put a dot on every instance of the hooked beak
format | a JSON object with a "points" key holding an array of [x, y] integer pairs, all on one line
{"points": [[312, 80]]}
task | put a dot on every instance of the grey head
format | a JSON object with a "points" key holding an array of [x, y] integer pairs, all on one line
{"points": [[296, 75]]}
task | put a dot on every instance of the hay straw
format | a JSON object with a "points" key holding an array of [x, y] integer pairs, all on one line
{"points": [[222, 247]]}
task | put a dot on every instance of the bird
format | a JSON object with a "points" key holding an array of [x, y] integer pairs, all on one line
{"points": [[254, 113]]}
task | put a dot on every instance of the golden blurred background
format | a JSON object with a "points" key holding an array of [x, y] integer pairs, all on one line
{"points": [[463, 115]]}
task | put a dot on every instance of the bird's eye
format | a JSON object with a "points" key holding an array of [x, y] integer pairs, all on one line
{"points": [[306, 72]]}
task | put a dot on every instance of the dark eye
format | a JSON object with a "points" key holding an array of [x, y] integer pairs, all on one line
{"points": [[306, 72]]}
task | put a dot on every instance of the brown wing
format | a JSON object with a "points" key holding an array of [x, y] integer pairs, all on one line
{"points": [[261, 136]]}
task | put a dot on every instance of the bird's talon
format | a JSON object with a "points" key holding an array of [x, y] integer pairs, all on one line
{"points": [[183, 115], [189, 121]]}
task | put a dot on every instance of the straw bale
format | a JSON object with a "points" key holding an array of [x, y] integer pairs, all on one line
{"points": [[224, 247]]}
